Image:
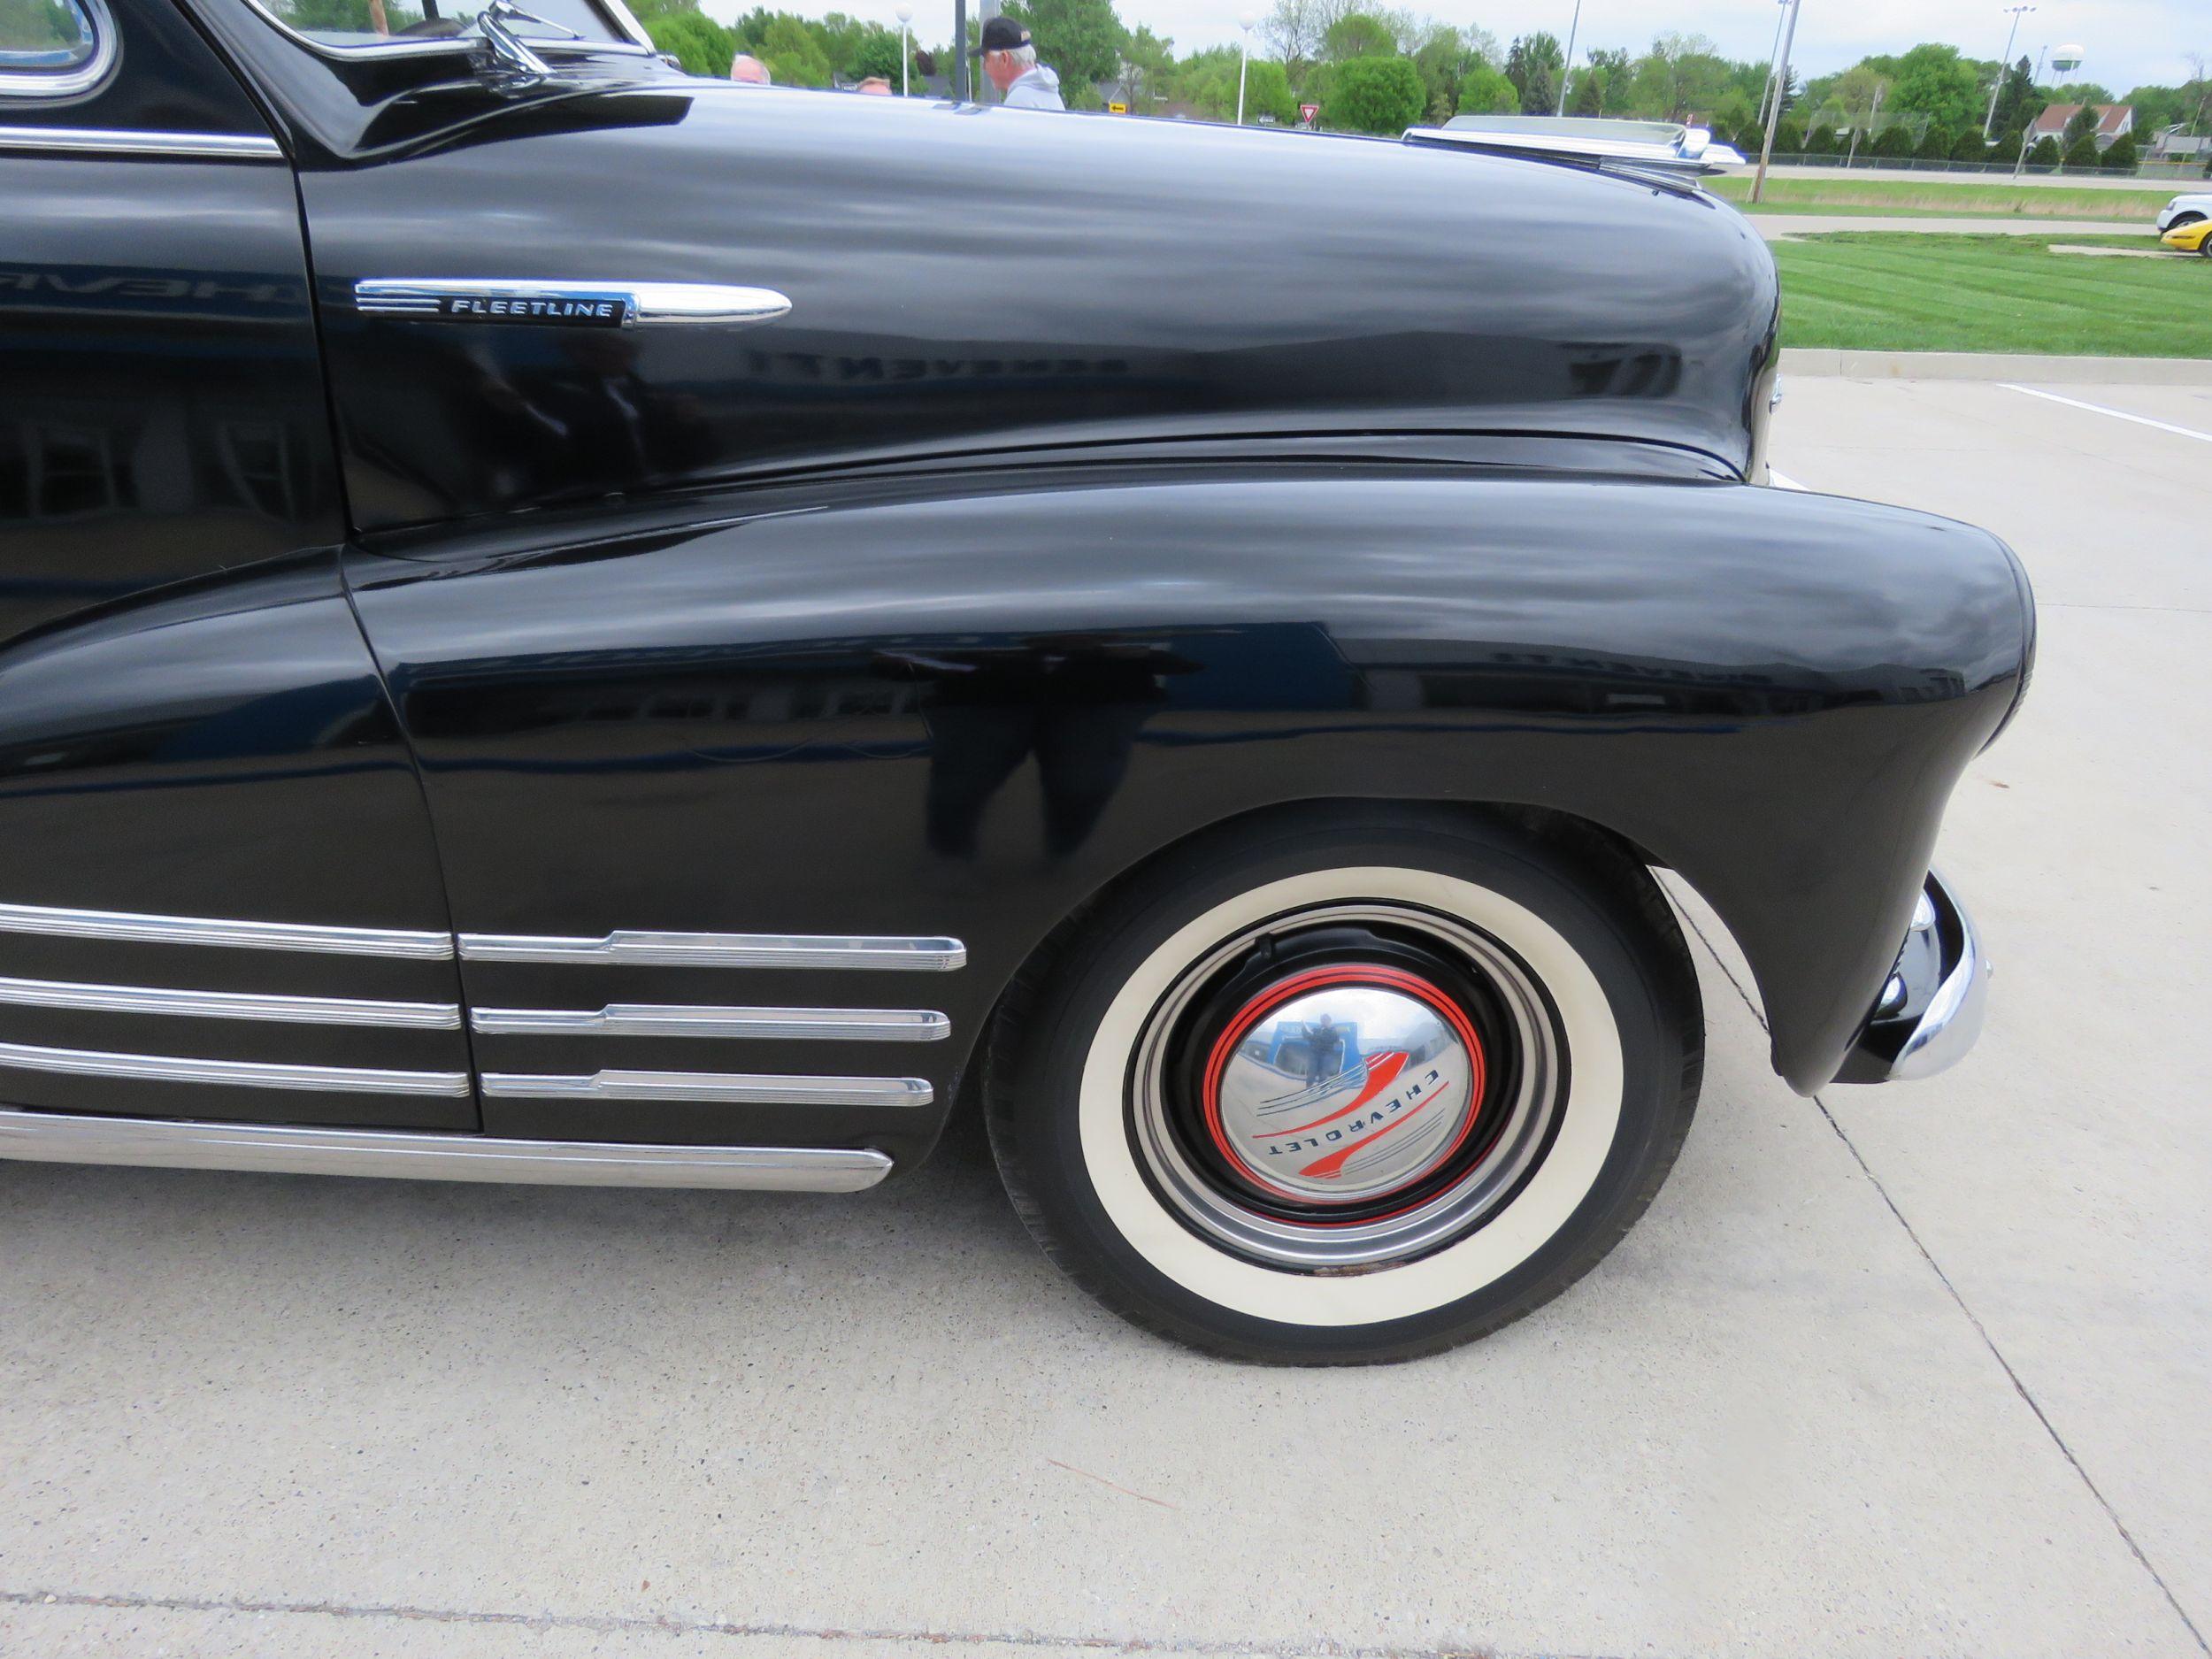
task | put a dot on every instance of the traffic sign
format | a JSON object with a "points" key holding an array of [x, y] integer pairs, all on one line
{"points": [[1307, 112], [1117, 109]]}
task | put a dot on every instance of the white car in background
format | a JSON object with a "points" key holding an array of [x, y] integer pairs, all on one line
{"points": [[2185, 210]]}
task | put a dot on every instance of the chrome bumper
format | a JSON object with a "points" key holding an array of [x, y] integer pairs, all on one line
{"points": [[1930, 1008]]}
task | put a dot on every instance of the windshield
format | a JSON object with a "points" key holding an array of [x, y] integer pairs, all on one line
{"points": [[380, 22]]}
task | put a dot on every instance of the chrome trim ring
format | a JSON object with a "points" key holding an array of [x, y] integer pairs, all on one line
{"points": [[518, 299], [94, 140], [722, 950], [1526, 1102], [161, 1143], [199, 930], [728, 1088], [161, 1068], [671, 1019], [304, 1010]]}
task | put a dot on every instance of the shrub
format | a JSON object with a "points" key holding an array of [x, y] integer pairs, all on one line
{"points": [[1970, 148], [1894, 141], [1822, 140], [1377, 95], [1750, 138], [2081, 155], [1935, 143], [2044, 153], [1789, 139], [1485, 91], [2120, 156], [696, 41]]}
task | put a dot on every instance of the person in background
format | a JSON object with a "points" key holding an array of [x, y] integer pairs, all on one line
{"points": [[876, 85], [1010, 60], [749, 70]]}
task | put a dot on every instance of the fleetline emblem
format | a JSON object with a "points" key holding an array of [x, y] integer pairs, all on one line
{"points": [[494, 308], [1343, 1085]]}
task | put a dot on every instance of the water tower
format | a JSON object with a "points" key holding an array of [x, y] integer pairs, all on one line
{"points": [[2066, 59]]}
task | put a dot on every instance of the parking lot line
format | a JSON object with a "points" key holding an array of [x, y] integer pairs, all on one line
{"points": [[2117, 414]]}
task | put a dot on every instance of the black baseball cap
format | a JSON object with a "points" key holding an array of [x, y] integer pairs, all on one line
{"points": [[1001, 34]]}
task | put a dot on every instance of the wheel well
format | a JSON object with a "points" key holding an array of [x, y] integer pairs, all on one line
{"points": [[1567, 830]]}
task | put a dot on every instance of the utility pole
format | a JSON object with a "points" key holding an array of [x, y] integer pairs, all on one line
{"points": [[1245, 21], [2004, 68], [960, 50], [1781, 81], [1766, 93], [1567, 69]]}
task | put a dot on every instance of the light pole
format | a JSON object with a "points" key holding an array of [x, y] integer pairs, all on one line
{"points": [[1245, 21], [2004, 68], [905, 15], [1781, 80], [1567, 68], [1766, 94]]}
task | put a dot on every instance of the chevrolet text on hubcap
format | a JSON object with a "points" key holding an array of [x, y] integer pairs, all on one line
{"points": [[1345, 1087]]}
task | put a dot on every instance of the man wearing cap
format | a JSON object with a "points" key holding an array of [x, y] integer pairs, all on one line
{"points": [[1011, 60]]}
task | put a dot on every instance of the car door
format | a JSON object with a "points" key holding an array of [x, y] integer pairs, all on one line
{"points": [[218, 894]]}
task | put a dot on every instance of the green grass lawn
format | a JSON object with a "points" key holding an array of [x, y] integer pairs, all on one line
{"points": [[1910, 291], [1903, 198]]}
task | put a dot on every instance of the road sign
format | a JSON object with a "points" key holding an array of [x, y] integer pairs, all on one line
{"points": [[1117, 109], [1307, 112]]}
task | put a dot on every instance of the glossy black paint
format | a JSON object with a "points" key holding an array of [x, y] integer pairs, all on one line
{"points": [[969, 708], [973, 281]]}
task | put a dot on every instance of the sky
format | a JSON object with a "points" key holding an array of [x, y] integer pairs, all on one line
{"points": [[2125, 42]]}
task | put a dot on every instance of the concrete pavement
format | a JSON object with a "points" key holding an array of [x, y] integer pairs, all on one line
{"points": [[1781, 226], [1914, 1371]]}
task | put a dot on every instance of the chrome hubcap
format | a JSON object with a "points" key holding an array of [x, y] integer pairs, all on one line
{"points": [[1346, 1086], [1337, 1085]]}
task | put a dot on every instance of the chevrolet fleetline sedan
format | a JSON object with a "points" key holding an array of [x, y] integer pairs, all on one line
{"points": [[564, 623]]}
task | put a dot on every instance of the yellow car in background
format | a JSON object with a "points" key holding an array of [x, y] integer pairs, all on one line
{"points": [[2192, 238]]}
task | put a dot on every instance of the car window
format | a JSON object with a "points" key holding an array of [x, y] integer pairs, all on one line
{"points": [[382, 22], [43, 38]]}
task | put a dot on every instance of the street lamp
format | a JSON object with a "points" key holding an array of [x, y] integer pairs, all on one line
{"points": [[1766, 93], [1567, 69], [905, 15], [1781, 84], [1245, 21], [2004, 68]]}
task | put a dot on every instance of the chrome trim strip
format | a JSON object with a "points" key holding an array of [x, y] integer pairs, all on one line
{"points": [[676, 1020], [729, 1088], [642, 303], [198, 930], [92, 141], [61, 83], [464, 43], [154, 1143], [723, 950], [163, 1068], [301, 1010]]}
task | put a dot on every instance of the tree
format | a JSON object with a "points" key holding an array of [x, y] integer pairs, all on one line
{"points": [[1082, 39], [1611, 68], [1969, 147], [1148, 69], [1357, 34], [1485, 91], [1534, 65], [1589, 97], [696, 41], [1293, 31], [2015, 96], [876, 53], [1680, 73], [2119, 155], [2044, 153], [1893, 142], [1376, 94], [1789, 139], [2080, 125], [1822, 140], [1751, 138], [2081, 155], [792, 54], [1267, 92], [1932, 80], [1935, 143]]}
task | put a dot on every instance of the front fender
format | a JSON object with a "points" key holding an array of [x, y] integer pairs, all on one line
{"points": [[965, 707]]}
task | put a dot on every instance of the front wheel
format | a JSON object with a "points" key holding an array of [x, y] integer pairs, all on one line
{"points": [[1347, 1087]]}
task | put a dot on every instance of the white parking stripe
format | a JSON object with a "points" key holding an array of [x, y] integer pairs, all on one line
{"points": [[2117, 414]]}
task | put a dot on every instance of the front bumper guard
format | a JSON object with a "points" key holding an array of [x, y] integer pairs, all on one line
{"points": [[1930, 1008]]}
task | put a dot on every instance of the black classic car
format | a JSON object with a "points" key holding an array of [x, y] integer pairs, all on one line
{"points": [[564, 623]]}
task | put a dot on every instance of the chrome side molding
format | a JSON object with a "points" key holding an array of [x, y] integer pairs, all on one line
{"points": [[677, 1019], [162, 1068], [200, 930], [97, 141], [62, 1138], [304, 1010], [614, 303], [723, 950], [726, 1088]]}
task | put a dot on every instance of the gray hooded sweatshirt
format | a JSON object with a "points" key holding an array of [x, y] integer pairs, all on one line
{"points": [[1036, 88]]}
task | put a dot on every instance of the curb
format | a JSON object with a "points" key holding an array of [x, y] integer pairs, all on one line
{"points": [[1997, 365]]}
